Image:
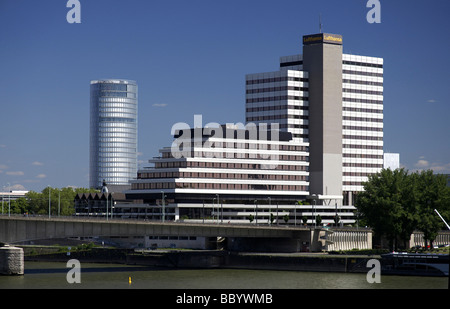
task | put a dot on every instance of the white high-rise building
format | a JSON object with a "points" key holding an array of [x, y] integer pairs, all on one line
{"points": [[333, 101], [113, 133]]}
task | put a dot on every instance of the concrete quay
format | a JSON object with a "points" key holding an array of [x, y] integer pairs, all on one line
{"points": [[321, 262]]}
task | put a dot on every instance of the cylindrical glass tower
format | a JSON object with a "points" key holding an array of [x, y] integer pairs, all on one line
{"points": [[113, 133]]}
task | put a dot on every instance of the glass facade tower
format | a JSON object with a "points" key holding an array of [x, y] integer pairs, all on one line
{"points": [[113, 132]]}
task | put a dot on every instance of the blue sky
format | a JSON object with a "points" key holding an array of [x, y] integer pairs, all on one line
{"points": [[190, 57]]}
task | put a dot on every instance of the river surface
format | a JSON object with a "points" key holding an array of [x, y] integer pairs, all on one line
{"points": [[52, 275]]}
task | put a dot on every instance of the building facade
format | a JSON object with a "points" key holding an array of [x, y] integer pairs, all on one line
{"points": [[113, 132], [333, 101], [256, 175]]}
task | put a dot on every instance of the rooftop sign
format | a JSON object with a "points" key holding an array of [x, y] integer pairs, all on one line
{"points": [[322, 38]]}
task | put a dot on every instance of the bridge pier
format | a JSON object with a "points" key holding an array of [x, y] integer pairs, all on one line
{"points": [[11, 261]]}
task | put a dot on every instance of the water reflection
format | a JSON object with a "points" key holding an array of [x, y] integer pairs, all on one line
{"points": [[112, 276]]}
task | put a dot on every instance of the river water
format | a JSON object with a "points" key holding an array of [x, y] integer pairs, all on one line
{"points": [[52, 275]]}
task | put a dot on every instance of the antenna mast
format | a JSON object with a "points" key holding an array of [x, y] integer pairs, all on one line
{"points": [[320, 23]]}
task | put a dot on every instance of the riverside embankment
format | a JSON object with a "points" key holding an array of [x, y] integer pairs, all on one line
{"points": [[208, 259]]}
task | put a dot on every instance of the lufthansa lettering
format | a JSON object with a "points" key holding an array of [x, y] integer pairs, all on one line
{"points": [[322, 38]]}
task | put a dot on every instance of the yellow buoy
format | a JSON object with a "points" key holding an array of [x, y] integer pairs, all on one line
{"points": [[129, 280]]}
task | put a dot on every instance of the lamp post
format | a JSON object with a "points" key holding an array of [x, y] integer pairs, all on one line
{"points": [[3, 199], [256, 212], [59, 203], [163, 206], [49, 201], [213, 209], [295, 214], [107, 197], [9, 200], [277, 213], [270, 209], [218, 202], [314, 208]]}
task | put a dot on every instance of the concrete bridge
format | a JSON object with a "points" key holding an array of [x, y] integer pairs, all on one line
{"points": [[17, 228]]}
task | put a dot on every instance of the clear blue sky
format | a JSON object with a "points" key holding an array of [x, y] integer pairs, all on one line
{"points": [[190, 57]]}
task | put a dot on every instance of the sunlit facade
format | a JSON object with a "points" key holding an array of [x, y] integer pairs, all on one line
{"points": [[113, 132]]}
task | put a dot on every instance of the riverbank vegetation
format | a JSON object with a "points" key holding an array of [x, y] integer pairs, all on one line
{"points": [[35, 203], [395, 203]]}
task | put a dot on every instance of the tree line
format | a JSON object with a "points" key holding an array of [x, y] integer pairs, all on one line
{"points": [[36, 203], [395, 203]]}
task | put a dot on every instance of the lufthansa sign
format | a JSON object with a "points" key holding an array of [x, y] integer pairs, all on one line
{"points": [[322, 38]]}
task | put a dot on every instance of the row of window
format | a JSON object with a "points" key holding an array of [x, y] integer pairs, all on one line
{"points": [[362, 82], [361, 91], [117, 155], [219, 186], [362, 147], [122, 171], [275, 117], [113, 109], [110, 86], [231, 145], [117, 125], [276, 98], [357, 128], [275, 107], [117, 150], [261, 155], [104, 142], [153, 175], [356, 174], [367, 101], [116, 94], [364, 119], [364, 64], [122, 136], [117, 119], [273, 89], [294, 126], [363, 137], [352, 183], [276, 79], [368, 165], [362, 110], [361, 156], [294, 135], [362, 73], [131, 162], [261, 166], [117, 102]]}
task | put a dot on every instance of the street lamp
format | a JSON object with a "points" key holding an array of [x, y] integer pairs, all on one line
{"points": [[9, 199], [49, 201], [270, 210], [218, 202], [314, 208], [163, 206], [213, 211], [106, 206], [256, 212]]}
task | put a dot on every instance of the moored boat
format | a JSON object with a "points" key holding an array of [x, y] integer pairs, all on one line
{"points": [[415, 264]]}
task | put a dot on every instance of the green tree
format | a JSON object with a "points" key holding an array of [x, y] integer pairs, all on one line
{"points": [[385, 205], [318, 220], [395, 203], [432, 193], [61, 200]]}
